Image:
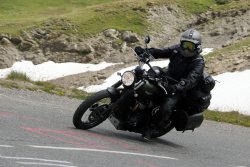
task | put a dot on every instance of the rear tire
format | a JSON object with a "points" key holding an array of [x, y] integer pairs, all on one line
{"points": [[162, 131], [98, 113]]}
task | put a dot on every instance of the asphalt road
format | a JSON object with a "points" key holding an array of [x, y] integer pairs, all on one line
{"points": [[36, 130]]}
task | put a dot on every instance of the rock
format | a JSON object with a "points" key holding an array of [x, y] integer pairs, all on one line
{"points": [[112, 33], [150, 4], [101, 77], [5, 41], [215, 33], [39, 59], [1, 36], [228, 43], [94, 79], [237, 62], [25, 46], [29, 56], [4, 63], [85, 48], [26, 35], [16, 40], [37, 36], [88, 58], [116, 45], [140, 9], [79, 48], [58, 45], [8, 56], [247, 57], [123, 47], [129, 37], [41, 32]]}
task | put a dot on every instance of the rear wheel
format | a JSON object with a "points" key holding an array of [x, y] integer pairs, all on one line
{"points": [[93, 111], [160, 127], [162, 131]]}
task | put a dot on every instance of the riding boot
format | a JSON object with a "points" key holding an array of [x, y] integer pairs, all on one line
{"points": [[146, 135]]}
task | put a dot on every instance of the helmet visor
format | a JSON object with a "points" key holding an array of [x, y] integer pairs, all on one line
{"points": [[188, 45]]}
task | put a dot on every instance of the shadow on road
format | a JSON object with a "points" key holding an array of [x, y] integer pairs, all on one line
{"points": [[125, 136]]}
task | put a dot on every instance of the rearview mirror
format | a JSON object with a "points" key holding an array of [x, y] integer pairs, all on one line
{"points": [[147, 39]]}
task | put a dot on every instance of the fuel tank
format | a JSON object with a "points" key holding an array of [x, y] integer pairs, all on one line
{"points": [[148, 90]]}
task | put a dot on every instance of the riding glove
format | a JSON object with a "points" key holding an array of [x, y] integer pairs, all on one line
{"points": [[139, 50]]}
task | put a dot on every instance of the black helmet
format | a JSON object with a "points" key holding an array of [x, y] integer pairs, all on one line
{"points": [[190, 43]]}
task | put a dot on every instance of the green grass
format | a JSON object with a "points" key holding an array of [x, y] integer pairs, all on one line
{"points": [[10, 85], [93, 16], [233, 4], [78, 94], [18, 80], [228, 117], [119, 16], [18, 76], [195, 6], [50, 88], [89, 16], [235, 47]]}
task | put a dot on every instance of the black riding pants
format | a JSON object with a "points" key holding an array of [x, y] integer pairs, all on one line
{"points": [[168, 105]]}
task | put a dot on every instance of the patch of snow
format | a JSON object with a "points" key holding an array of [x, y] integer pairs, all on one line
{"points": [[50, 70]]}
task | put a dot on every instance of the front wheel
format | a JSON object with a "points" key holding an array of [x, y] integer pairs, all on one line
{"points": [[93, 111]]}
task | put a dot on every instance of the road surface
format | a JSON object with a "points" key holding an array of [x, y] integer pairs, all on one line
{"points": [[36, 130]]}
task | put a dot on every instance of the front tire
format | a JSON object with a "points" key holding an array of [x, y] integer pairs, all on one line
{"points": [[98, 106]]}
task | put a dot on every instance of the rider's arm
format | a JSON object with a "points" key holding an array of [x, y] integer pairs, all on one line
{"points": [[164, 52], [194, 75]]}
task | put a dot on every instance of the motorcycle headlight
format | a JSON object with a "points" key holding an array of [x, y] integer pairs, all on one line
{"points": [[128, 78]]}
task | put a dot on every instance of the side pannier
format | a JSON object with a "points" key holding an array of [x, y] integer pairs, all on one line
{"points": [[198, 99]]}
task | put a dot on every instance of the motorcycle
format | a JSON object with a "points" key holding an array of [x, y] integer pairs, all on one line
{"points": [[133, 103]]}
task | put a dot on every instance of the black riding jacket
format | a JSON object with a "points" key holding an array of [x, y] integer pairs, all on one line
{"points": [[189, 70]]}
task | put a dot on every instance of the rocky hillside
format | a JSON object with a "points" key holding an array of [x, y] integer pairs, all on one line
{"points": [[219, 29], [41, 45]]}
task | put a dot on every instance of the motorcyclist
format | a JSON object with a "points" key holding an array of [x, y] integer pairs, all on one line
{"points": [[186, 66]]}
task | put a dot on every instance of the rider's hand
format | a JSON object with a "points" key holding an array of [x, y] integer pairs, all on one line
{"points": [[139, 50], [180, 86]]}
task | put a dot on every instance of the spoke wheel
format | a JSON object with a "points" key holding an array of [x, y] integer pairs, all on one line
{"points": [[93, 111]]}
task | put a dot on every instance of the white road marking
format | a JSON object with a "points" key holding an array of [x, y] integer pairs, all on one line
{"points": [[44, 164], [34, 159], [7, 146], [103, 151]]}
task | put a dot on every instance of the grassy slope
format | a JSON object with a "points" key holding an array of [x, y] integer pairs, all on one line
{"points": [[21, 81], [228, 117], [93, 16], [234, 48]]}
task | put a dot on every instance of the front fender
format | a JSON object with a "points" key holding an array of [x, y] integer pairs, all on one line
{"points": [[114, 93]]}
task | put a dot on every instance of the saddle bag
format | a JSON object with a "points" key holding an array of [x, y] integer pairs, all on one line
{"points": [[198, 99], [207, 83]]}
